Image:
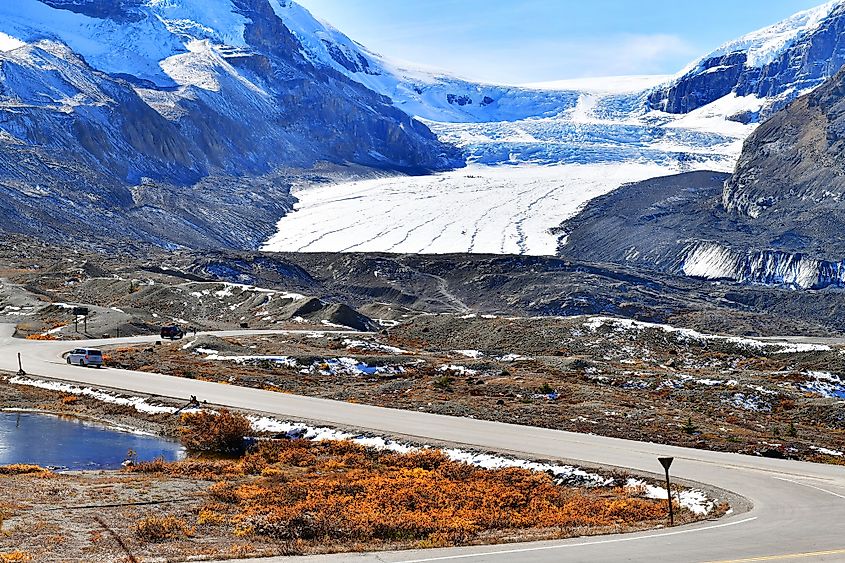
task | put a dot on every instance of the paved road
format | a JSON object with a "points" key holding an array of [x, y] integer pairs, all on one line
{"points": [[823, 340], [798, 508]]}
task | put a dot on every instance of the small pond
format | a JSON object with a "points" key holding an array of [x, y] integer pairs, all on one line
{"points": [[70, 443]]}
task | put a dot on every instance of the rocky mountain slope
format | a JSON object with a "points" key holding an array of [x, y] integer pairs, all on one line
{"points": [[135, 118], [794, 164], [776, 220], [771, 66], [221, 289]]}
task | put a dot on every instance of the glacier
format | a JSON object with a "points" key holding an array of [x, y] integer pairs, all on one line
{"points": [[480, 209], [526, 176], [713, 261], [587, 132], [235, 89]]}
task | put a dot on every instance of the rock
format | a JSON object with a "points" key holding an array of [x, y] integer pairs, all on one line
{"points": [[778, 220], [813, 52]]}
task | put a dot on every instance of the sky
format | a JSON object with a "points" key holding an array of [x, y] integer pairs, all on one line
{"points": [[527, 41]]}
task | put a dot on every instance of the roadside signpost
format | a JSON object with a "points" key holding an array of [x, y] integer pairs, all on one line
{"points": [[666, 462], [80, 312]]}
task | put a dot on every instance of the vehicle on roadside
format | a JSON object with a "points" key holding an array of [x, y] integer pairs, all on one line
{"points": [[85, 357], [172, 332]]}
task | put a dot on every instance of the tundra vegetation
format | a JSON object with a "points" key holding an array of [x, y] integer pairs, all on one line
{"points": [[286, 496], [583, 374]]}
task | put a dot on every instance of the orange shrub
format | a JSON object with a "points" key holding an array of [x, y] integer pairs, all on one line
{"points": [[300, 491], [21, 469], [221, 433], [15, 557], [212, 513], [40, 337], [160, 528]]}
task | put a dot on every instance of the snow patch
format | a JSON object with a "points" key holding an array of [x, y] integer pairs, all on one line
{"points": [[351, 343], [461, 370], [138, 403], [826, 451], [9, 43], [351, 367], [824, 383], [474, 354], [694, 500], [750, 402], [687, 334]]}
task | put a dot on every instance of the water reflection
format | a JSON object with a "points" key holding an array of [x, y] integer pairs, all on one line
{"points": [[71, 443]]}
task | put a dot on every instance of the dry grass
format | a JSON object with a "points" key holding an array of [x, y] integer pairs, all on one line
{"points": [[21, 469], [339, 492], [15, 557], [156, 528]]}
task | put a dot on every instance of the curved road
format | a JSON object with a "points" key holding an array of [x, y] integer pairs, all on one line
{"points": [[798, 510]]}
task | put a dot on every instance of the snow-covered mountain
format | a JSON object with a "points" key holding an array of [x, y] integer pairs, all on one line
{"points": [[777, 220], [176, 121], [595, 134], [696, 119], [429, 94], [767, 68], [772, 65], [698, 115], [187, 121]]}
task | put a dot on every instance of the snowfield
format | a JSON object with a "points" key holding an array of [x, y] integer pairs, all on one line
{"points": [[480, 209]]}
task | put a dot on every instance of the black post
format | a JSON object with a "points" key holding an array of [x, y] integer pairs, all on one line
{"points": [[80, 312], [118, 332], [20, 366], [666, 462]]}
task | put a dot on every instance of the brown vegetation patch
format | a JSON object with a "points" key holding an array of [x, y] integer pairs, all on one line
{"points": [[220, 432], [156, 528], [341, 494]]}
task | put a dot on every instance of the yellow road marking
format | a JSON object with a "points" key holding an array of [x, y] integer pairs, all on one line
{"points": [[784, 557]]}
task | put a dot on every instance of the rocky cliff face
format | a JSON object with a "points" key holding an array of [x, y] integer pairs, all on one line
{"points": [[162, 119], [793, 164], [779, 63], [677, 225], [778, 220]]}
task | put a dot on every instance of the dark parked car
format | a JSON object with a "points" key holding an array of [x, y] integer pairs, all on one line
{"points": [[172, 332]]}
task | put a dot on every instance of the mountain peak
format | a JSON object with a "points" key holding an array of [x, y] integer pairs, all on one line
{"points": [[122, 108], [778, 63]]}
